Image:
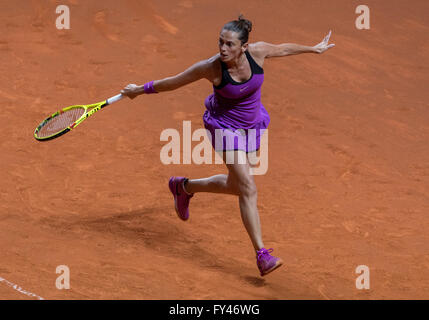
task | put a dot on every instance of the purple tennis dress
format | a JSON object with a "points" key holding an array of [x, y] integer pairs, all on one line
{"points": [[235, 117]]}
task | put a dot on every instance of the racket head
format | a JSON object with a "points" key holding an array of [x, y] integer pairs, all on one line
{"points": [[60, 122], [66, 119]]}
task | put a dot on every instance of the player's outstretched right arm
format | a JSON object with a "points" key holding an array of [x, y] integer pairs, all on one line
{"points": [[199, 70]]}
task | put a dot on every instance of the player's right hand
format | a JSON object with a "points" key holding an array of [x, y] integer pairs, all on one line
{"points": [[132, 91]]}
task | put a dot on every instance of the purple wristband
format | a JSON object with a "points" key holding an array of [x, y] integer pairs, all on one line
{"points": [[148, 88]]}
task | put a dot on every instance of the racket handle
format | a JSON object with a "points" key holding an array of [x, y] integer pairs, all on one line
{"points": [[115, 99]]}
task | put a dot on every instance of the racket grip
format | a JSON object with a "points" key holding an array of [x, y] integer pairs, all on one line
{"points": [[115, 99]]}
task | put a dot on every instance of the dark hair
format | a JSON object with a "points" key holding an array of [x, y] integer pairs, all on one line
{"points": [[242, 26]]}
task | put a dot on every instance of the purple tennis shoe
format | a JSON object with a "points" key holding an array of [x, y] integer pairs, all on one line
{"points": [[181, 197], [266, 262]]}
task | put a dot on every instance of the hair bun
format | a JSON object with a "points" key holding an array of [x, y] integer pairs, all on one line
{"points": [[246, 23], [241, 26]]}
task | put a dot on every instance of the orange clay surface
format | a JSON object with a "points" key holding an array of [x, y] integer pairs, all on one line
{"points": [[348, 178]]}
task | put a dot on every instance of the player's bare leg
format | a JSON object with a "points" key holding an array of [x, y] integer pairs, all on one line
{"points": [[240, 181]]}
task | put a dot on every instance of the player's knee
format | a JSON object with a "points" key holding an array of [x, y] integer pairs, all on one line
{"points": [[247, 188], [232, 187]]}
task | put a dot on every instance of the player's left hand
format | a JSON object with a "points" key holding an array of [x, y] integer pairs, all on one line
{"points": [[324, 45]]}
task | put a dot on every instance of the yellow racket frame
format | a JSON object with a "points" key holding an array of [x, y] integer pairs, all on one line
{"points": [[90, 109]]}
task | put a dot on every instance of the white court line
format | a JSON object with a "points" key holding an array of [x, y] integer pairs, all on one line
{"points": [[19, 289]]}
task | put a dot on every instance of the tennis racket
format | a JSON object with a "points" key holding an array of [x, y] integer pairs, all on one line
{"points": [[69, 118]]}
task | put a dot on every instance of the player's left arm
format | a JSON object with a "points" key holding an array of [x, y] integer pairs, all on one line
{"points": [[268, 50]]}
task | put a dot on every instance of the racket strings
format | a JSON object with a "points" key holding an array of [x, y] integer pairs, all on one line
{"points": [[60, 122]]}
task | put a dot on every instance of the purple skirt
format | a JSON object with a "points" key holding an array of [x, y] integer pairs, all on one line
{"points": [[225, 138]]}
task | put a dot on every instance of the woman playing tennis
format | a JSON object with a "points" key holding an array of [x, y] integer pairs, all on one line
{"points": [[237, 75]]}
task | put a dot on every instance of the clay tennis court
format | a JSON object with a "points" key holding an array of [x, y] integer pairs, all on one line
{"points": [[348, 178]]}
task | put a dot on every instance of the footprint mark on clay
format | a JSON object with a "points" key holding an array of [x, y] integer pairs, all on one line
{"points": [[353, 227], [164, 24], [337, 150], [153, 44], [350, 226], [101, 25], [62, 84]]}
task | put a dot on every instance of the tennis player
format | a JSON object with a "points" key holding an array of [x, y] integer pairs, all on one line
{"points": [[234, 107]]}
